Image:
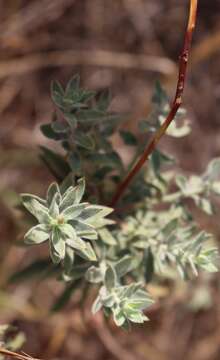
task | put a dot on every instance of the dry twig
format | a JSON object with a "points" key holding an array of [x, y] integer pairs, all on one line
{"points": [[13, 354]]}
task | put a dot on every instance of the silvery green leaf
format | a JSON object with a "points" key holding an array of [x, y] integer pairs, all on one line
{"points": [[70, 118], [68, 260], [57, 93], [73, 195], [54, 207], [181, 182], [111, 159], [76, 243], [77, 272], [108, 300], [216, 187], [84, 140], [52, 190], [39, 211], [91, 116], [59, 127], [136, 316], [90, 211], [69, 198], [141, 244], [170, 227], [129, 290], [119, 317], [83, 248], [97, 305], [209, 267], [141, 300], [179, 131], [205, 205], [39, 199], [208, 259], [37, 234], [123, 266], [48, 131], [68, 231], [213, 170], [88, 253], [58, 243], [80, 189], [110, 279], [195, 186], [84, 230], [54, 255], [94, 275], [107, 237], [72, 86], [85, 96], [99, 220], [73, 211]]}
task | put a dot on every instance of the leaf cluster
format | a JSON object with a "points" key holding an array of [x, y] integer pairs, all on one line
{"points": [[151, 236]]}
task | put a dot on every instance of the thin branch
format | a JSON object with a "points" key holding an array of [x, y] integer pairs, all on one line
{"points": [[184, 57], [13, 354]]}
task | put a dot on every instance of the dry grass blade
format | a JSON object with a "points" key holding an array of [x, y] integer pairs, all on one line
{"points": [[101, 58], [33, 15]]}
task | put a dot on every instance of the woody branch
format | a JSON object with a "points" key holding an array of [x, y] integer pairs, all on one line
{"points": [[183, 62]]}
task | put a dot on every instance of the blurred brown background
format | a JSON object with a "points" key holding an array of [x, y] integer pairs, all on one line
{"points": [[126, 45]]}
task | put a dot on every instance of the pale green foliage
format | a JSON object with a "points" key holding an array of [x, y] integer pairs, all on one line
{"points": [[173, 242], [199, 188], [126, 303], [83, 131], [151, 235], [66, 222], [160, 112]]}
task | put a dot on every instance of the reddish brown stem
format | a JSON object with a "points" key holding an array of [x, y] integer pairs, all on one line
{"points": [[183, 61], [6, 352]]}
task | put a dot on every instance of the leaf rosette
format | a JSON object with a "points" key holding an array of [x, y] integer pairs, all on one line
{"points": [[67, 223]]}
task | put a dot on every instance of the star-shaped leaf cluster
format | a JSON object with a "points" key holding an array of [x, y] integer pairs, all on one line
{"points": [[125, 302], [67, 223]]}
